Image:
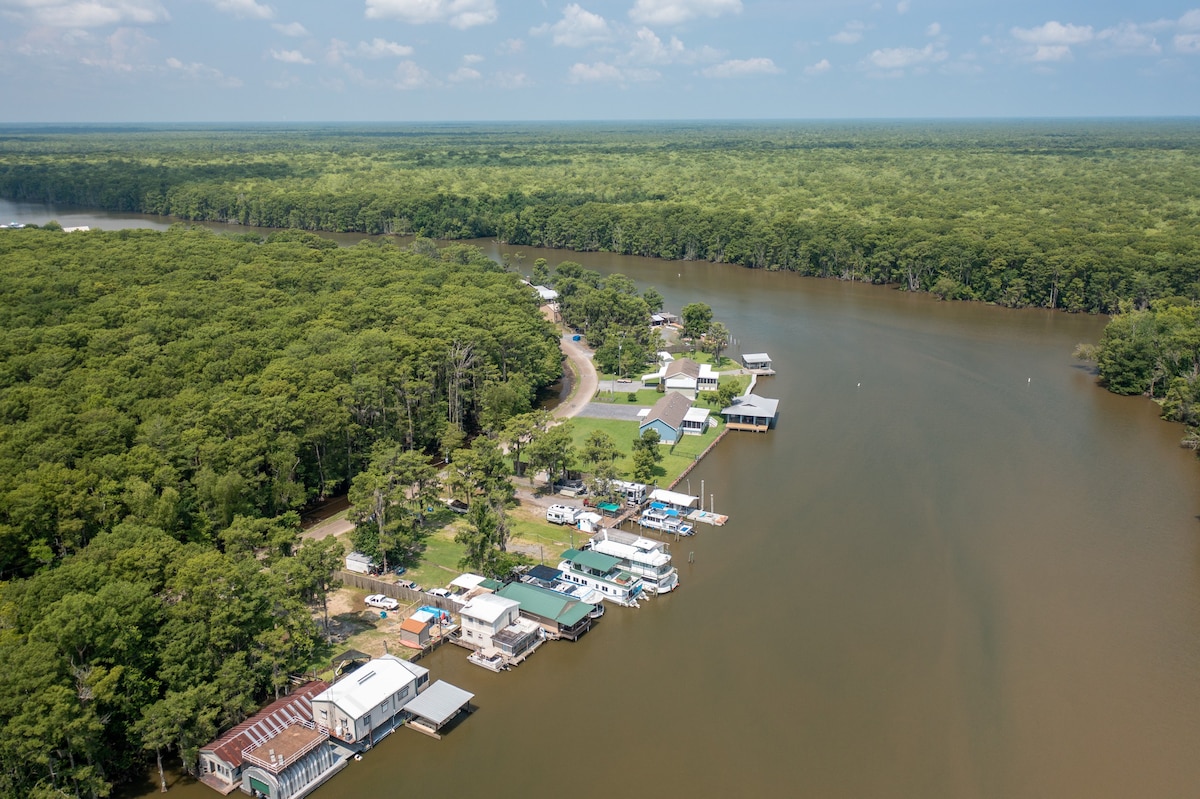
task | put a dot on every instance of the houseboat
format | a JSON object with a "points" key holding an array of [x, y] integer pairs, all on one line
{"points": [[601, 573], [642, 557], [666, 520]]}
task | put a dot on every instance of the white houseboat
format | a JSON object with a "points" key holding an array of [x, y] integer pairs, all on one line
{"points": [[601, 573], [666, 520], [642, 557]]}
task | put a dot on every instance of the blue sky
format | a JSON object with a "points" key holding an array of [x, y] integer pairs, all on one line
{"points": [[444, 60]]}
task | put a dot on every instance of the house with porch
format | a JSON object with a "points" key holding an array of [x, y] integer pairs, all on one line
{"points": [[685, 376], [751, 412], [278, 751], [673, 416], [367, 703], [492, 625]]}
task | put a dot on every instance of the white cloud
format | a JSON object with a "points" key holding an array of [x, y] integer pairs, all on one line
{"points": [[510, 47], [463, 74], [1187, 42], [1052, 41], [381, 48], [294, 29], [900, 58], [850, 34], [460, 14], [201, 72], [245, 9], [511, 80], [1128, 38], [934, 29], [819, 68], [290, 57], [674, 12], [736, 68], [577, 28], [1190, 20], [903, 6], [602, 72], [124, 51], [647, 48], [472, 58], [88, 13], [410, 76]]}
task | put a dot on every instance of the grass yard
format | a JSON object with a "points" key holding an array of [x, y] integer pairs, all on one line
{"points": [[675, 459]]}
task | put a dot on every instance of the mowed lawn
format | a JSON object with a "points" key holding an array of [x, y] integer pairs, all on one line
{"points": [[675, 459]]}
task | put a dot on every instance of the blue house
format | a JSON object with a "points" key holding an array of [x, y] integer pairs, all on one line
{"points": [[667, 417]]}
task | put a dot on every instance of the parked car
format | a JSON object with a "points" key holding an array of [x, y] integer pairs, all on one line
{"points": [[439, 592], [381, 601], [409, 584]]}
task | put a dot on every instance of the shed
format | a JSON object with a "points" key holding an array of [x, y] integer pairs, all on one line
{"points": [[359, 563], [415, 630]]}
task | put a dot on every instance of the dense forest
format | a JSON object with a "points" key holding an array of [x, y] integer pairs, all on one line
{"points": [[168, 401], [1073, 215]]}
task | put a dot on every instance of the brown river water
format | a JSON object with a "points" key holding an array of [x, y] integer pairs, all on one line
{"points": [[957, 568]]}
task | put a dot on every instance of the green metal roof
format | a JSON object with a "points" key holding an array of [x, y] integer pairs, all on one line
{"points": [[546, 604], [491, 585], [591, 560]]}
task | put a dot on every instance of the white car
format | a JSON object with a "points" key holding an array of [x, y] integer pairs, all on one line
{"points": [[381, 601], [438, 592]]}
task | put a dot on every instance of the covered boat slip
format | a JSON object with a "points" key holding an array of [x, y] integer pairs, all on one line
{"points": [[437, 706]]}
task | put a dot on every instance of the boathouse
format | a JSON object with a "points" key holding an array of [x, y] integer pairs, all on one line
{"points": [[757, 362], [438, 706], [559, 615], [751, 412], [365, 704], [277, 751]]}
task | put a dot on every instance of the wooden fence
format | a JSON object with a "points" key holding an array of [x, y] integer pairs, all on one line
{"points": [[400, 593]]}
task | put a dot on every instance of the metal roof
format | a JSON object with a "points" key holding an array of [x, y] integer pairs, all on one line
{"points": [[371, 684], [753, 405], [487, 607], [591, 560], [673, 498], [439, 702], [756, 357], [547, 604], [266, 723]]}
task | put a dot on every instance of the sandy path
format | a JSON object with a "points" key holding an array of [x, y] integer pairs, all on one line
{"points": [[586, 378]]}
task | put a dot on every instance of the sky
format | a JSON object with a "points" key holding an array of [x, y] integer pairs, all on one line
{"points": [[106, 61]]}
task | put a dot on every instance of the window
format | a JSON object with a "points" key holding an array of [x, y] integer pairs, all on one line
{"points": [[404, 692]]}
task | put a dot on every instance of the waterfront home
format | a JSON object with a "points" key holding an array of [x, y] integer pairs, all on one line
{"points": [[277, 751], [367, 702], [672, 416], [751, 412], [601, 573], [467, 586], [685, 376], [560, 615], [416, 630], [493, 627], [641, 556]]}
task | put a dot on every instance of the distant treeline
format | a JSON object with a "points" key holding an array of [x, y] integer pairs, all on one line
{"points": [[1071, 215]]}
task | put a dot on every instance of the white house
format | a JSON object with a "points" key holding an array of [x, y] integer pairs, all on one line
{"points": [[685, 376], [492, 625], [369, 698]]}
